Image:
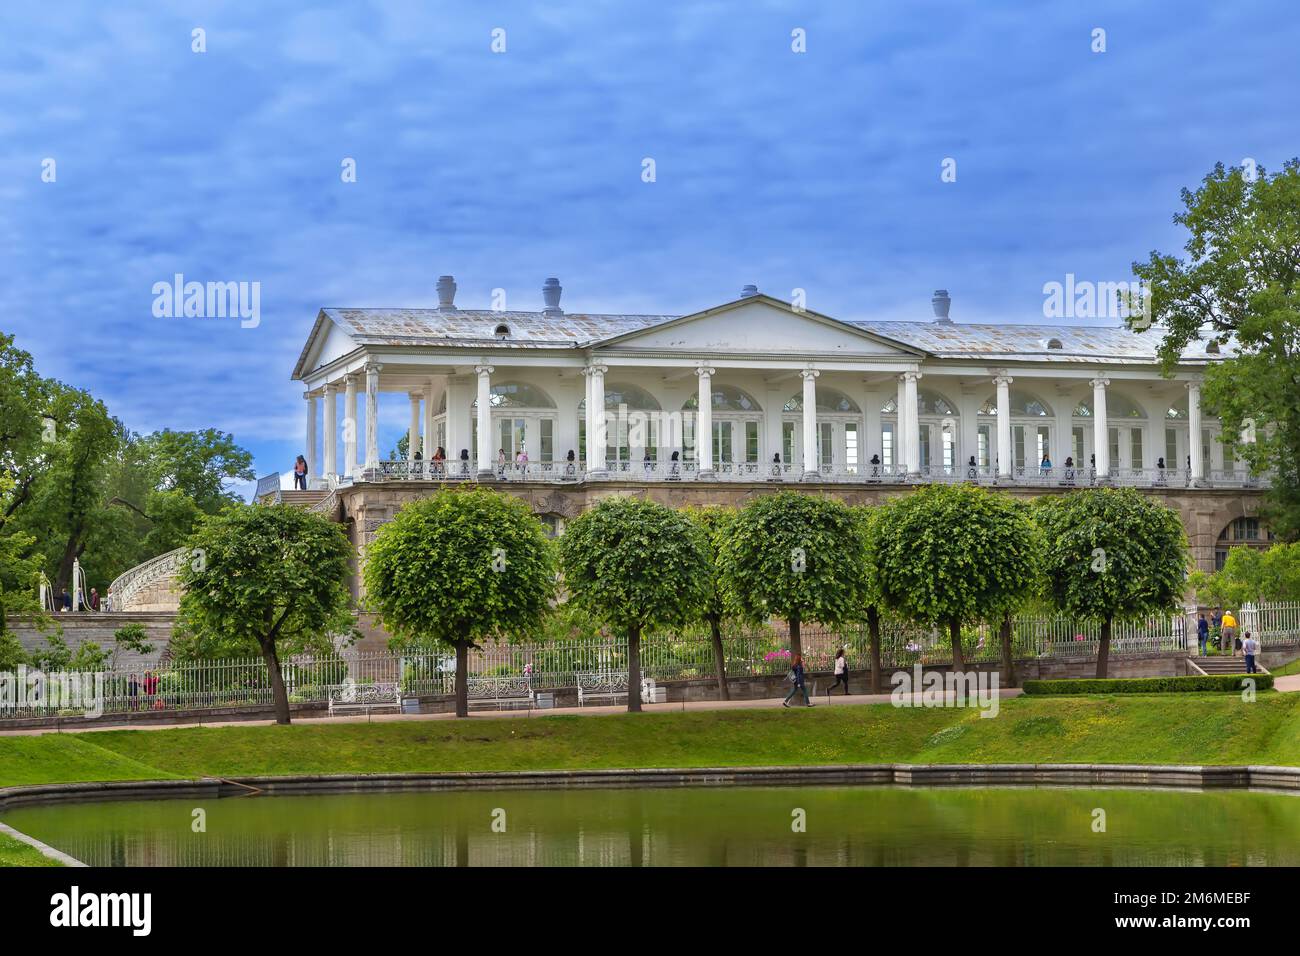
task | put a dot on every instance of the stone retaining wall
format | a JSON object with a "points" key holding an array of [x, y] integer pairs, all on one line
{"points": [[1075, 775]]}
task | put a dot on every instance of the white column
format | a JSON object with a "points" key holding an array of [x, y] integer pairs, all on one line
{"points": [[596, 439], [350, 426], [372, 417], [310, 453], [430, 441], [913, 423], [1100, 427], [331, 432], [901, 460], [1003, 383], [484, 420], [704, 422], [413, 427], [869, 441], [810, 423]]}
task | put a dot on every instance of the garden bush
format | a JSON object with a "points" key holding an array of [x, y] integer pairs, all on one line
{"points": [[1224, 683]]}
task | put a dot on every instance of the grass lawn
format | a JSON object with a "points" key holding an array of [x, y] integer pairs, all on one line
{"points": [[1287, 670], [1171, 728], [14, 853]]}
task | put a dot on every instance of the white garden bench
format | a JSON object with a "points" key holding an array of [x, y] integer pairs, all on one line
{"points": [[601, 685], [351, 697], [612, 686], [500, 692]]}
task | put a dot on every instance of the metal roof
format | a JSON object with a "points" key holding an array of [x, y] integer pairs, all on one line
{"points": [[430, 326], [955, 340], [1031, 342]]}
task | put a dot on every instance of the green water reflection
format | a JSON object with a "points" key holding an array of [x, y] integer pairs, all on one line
{"points": [[727, 826]]}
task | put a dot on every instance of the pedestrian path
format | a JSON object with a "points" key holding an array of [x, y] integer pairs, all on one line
{"points": [[821, 700]]}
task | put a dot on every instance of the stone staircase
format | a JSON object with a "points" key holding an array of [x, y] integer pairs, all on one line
{"points": [[1221, 665], [304, 499]]}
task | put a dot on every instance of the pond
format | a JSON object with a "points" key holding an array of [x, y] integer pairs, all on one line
{"points": [[703, 826]]}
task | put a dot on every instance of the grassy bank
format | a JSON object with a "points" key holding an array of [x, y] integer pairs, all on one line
{"points": [[1185, 728], [14, 853]]}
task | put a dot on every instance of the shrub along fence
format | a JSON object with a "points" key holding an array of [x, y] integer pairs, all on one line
{"points": [[1226, 683], [207, 684]]}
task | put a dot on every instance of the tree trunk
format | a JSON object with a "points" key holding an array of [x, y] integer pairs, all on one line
{"points": [[64, 573], [719, 660], [634, 670], [1103, 648], [1008, 665], [873, 636], [796, 644], [278, 693], [462, 678], [954, 630]]}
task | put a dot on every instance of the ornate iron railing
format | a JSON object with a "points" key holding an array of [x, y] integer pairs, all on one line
{"points": [[130, 583]]}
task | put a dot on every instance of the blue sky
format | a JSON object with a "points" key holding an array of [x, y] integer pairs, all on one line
{"points": [[818, 170]]}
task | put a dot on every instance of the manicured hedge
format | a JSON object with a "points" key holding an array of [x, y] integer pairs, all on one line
{"points": [[1226, 683]]}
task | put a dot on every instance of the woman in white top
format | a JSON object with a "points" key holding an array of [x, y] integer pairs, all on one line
{"points": [[841, 672]]}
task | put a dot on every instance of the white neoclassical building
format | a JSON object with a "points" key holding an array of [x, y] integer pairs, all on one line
{"points": [[754, 389]]}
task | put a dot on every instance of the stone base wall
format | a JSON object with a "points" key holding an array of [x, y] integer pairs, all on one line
{"points": [[97, 628], [366, 506]]}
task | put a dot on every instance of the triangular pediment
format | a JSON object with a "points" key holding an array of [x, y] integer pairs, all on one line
{"points": [[758, 324], [327, 342]]}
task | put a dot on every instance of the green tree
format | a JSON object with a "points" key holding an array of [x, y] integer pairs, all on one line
{"points": [[872, 521], [20, 569], [636, 566], [24, 405], [68, 501], [458, 568], [951, 554], [1239, 286], [1251, 575], [716, 609], [1112, 554], [131, 637], [270, 578], [797, 557]]}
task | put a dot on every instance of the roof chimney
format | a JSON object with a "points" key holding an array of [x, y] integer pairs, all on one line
{"points": [[446, 294], [551, 290], [942, 303], [749, 291]]}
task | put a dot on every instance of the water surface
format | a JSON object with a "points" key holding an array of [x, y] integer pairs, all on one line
{"points": [[722, 826]]}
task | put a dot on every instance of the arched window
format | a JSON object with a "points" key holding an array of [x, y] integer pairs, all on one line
{"points": [[516, 395], [502, 330], [829, 400], [1117, 406], [930, 403], [1054, 344], [636, 398], [1023, 404], [726, 398], [1241, 532]]}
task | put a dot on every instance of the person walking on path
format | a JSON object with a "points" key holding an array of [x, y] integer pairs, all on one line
{"points": [[796, 678], [1229, 634], [841, 673], [1202, 633], [1250, 647]]}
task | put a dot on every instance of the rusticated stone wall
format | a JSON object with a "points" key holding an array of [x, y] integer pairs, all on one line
{"points": [[1205, 512]]}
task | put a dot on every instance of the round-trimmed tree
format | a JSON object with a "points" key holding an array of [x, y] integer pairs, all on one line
{"points": [[457, 568], [872, 521], [636, 566], [797, 557], [714, 520], [1112, 554], [269, 578], [950, 554]]}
